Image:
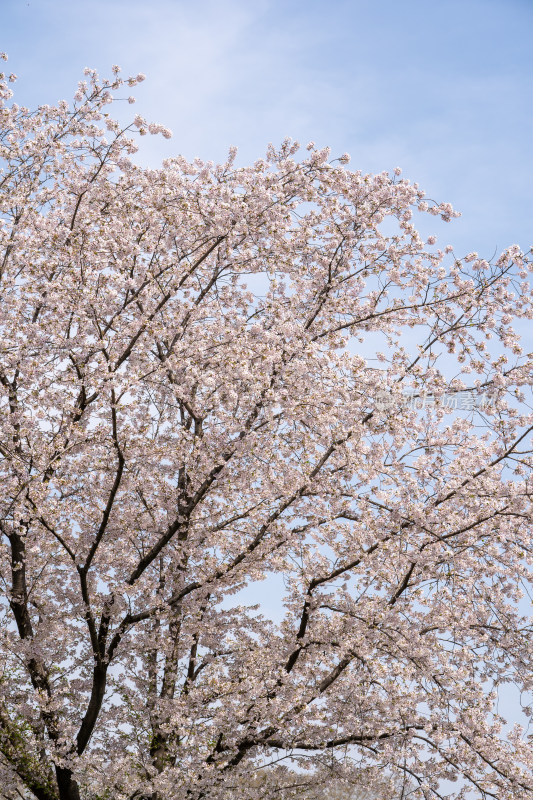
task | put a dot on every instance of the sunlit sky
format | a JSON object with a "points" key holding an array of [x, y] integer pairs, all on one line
{"points": [[442, 89]]}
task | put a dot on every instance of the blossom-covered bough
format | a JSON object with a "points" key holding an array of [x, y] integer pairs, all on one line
{"points": [[169, 435]]}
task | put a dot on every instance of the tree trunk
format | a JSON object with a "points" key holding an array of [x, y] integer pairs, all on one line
{"points": [[68, 788]]}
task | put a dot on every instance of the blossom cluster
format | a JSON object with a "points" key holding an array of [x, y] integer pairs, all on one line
{"points": [[187, 409]]}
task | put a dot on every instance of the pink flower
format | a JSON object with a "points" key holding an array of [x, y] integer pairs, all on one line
{"points": [[170, 435]]}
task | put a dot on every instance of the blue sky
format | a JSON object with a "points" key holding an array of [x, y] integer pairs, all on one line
{"points": [[442, 89]]}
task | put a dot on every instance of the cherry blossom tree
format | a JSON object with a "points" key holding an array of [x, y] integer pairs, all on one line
{"points": [[212, 376]]}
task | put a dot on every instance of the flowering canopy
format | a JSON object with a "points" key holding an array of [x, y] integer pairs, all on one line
{"points": [[170, 434]]}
